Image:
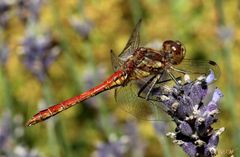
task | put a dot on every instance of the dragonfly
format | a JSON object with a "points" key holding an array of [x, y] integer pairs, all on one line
{"points": [[138, 71]]}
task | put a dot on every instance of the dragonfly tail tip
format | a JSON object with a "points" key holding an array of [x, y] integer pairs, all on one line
{"points": [[31, 122]]}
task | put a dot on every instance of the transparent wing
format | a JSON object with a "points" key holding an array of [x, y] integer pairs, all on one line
{"points": [[196, 68], [116, 61], [148, 109], [133, 42]]}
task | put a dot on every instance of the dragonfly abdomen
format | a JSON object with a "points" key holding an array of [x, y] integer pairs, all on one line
{"points": [[117, 79]]}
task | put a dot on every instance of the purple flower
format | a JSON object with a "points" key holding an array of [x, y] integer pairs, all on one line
{"points": [[136, 143], [226, 33], [160, 127], [188, 147], [3, 54], [124, 145], [185, 128], [11, 130], [115, 146], [83, 27], [210, 148], [5, 131], [39, 52], [5, 7], [28, 10], [193, 118]]}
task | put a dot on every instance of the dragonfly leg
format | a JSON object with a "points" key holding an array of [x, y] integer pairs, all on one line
{"points": [[164, 81], [145, 85], [179, 70], [173, 77], [151, 87], [153, 80]]}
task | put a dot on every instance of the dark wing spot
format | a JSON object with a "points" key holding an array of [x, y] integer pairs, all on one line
{"points": [[212, 62]]}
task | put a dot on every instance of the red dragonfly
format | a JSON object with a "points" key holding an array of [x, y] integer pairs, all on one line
{"points": [[138, 70]]}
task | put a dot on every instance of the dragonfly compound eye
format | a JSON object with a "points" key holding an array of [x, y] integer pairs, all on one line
{"points": [[178, 51], [174, 51]]}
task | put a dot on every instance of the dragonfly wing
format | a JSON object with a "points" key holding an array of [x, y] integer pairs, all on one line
{"points": [[116, 61], [133, 42], [127, 98], [196, 68]]}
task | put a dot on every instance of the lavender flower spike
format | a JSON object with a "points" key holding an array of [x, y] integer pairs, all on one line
{"points": [[39, 52], [193, 118]]}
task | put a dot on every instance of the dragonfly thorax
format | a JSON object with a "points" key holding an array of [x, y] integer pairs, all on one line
{"points": [[143, 63]]}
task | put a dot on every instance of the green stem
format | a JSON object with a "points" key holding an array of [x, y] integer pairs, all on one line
{"points": [[136, 10], [55, 129], [6, 87]]}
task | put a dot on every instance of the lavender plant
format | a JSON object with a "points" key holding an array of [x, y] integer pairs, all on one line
{"points": [[129, 143], [28, 10], [136, 143], [5, 7], [82, 27], [4, 50], [11, 131], [116, 147], [185, 103], [39, 52]]}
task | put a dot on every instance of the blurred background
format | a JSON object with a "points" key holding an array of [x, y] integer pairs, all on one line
{"points": [[53, 50]]}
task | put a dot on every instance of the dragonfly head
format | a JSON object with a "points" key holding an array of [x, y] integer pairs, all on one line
{"points": [[174, 51]]}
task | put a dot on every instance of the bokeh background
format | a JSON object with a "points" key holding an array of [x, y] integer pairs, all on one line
{"points": [[53, 50]]}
